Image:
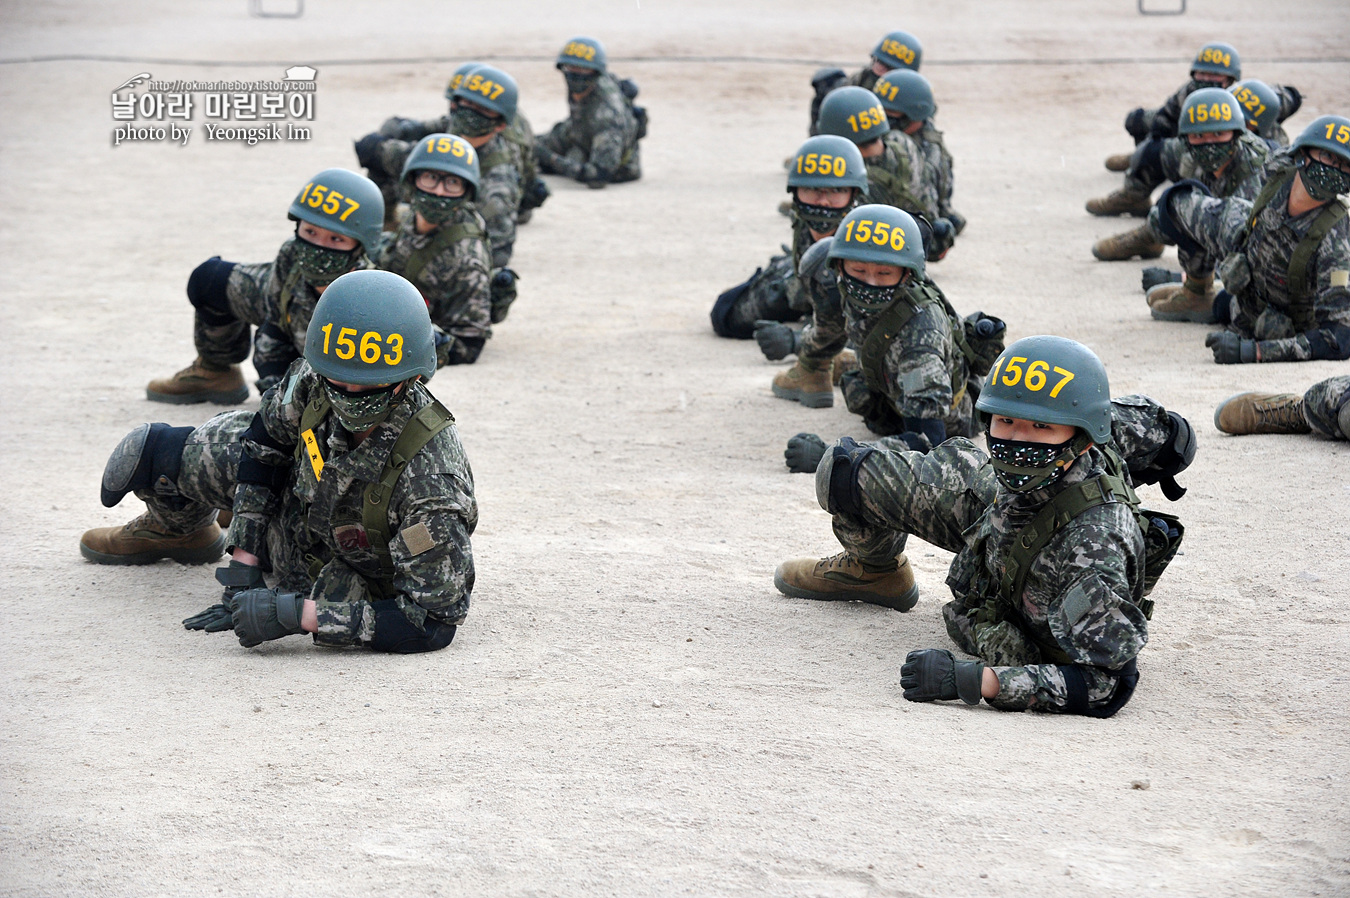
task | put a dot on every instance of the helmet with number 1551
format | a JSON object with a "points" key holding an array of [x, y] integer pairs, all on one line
{"points": [[444, 152], [371, 328]]}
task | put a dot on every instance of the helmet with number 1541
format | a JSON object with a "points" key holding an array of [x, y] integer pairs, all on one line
{"points": [[371, 328], [343, 202], [1053, 380]]}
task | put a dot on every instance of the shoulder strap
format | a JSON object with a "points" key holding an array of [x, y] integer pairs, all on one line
{"points": [[889, 323], [307, 447], [1300, 291], [444, 237], [420, 429], [287, 295], [1268, 191]]}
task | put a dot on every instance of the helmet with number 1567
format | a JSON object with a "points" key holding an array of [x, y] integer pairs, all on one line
{"points": [[1053, 380], [371, 328]]}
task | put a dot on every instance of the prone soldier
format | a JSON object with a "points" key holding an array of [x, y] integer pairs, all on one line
{"points": [[349, 487], [907, 98], [1324, 409], [597, 144], [337, 217], [897, 50]]}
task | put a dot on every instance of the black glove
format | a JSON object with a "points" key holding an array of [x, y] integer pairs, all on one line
{"points": [[367, 151], [534, 195], [958, 221], [935, 674], [776, 340], [944, 235], [1136, 125], [264, 614], [502, 289], [212, 620], [239, 577], [1230, 349], [804, 452], [1154, 275]]}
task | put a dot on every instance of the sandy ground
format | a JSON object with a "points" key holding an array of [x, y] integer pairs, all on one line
{"points": [[632, 709]]}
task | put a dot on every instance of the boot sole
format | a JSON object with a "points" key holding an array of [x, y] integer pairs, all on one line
{"points": [[233, 397], [1145, 255], [203, 555], [1193, 317], [900, 603], [810, 400]]}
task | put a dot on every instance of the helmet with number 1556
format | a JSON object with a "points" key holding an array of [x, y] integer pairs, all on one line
{"points": [[371, 328]]}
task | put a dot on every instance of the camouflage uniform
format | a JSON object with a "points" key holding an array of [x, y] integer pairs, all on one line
{"points": [[774, 292], [256, 294], [1261, 310], [601, 130], [506, 163], [454, 282], [897, 177], [310, 534], [1322, 405], [937, 168], [1082, 593]]}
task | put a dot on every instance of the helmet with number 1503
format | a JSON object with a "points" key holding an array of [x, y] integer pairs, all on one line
{"points": [[1210, 110], [1218, 58], [853, 112], [371, 328], [1053, 380], [899, 50], [343, 202]]}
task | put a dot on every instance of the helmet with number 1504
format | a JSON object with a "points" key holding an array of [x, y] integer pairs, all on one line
{"points": [[882, 234], [371, 328], [1218, 58], [1053, 380], [853, 112], [899, 50], [1210, 110], [444, 152], [906, 93], [343, 202]]}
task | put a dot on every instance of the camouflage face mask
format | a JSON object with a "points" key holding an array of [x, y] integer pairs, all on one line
{"points": [[579, 84], [1323, 182], [363, 410], [1023, 466], [436, 209], [468, 122], [1212, 156], [320, 265], [864, 295], [821, 219]]}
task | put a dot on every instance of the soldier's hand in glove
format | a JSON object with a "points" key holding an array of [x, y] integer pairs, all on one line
{"points": [[264, 614], [367, 151], [935, 675], [1154, 275], [804, 452], [944, 235], [212, 620], [776, 340], [1230, 349], [1135, 125]]}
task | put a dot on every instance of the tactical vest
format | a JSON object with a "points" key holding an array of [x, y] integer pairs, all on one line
{"points": [[444, 238], [288, 296], [1300, 291], [420, 429], [1162, 537], [892, 320]]}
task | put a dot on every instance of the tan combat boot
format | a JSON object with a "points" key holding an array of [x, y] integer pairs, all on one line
{"points": [[1191, 300], [1121, 202], [1119, 161], [846, 361], [1140, 242], [1261, 413], [200, 382], [224, 517], [810, 387], [138, 542], [842, 578]]}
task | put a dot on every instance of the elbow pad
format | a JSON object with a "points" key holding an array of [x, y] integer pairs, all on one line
{"points": [[1173, 458]]}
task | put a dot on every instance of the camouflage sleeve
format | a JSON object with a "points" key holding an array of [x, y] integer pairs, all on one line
{"points": [[1092, 572], [1163, 121], [274, 347], [1291, 99], [1171, 157], [1330, 336], [393, 153], [911, 195], [432, 515], [1215, 224], [456, 286], [1140, 428], [918, 383], [498, 201], [825, 333], [610, 126]]}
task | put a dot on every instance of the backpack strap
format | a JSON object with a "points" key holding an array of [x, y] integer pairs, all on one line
{"points": [[420, 429], [288, 288], [1300, 291], [307, 447], [444, 238], [889, 324]]}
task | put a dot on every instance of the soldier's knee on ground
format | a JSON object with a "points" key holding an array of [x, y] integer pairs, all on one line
{"points": [[395, 634], [208, 290], [148, 458]]}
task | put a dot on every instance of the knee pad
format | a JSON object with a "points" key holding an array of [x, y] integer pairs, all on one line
{"points": [[206, 290], [1343, 416], [395, 634], [147, 458], [1167, 225], [837, 477]]}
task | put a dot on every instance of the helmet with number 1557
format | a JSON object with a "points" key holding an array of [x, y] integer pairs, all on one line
{"points": [[343, 202]]}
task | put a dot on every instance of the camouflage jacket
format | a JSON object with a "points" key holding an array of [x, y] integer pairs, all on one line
{"points": [[1243, 176], [896, 177], [1163, 121], [454, 282], [282, 302], [601, 125], [864, 77], [432, 513], [937, 166]]}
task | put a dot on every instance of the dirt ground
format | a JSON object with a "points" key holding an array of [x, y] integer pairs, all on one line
{"points": [[631, 708]]}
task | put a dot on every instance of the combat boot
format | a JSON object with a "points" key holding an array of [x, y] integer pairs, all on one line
{"points": [[139, 542], [805, 384], [1141, 242], [844, 578], [1261, 413], [200, 382], [1191, 300], [846, 361], [1122, 202], [1119, 161]]}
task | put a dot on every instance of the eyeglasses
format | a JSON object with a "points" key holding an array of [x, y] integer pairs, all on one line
{"points": [[430, 180], [1328, 158]]}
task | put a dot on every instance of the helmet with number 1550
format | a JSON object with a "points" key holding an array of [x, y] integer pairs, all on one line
{"points": [[371, 328]]}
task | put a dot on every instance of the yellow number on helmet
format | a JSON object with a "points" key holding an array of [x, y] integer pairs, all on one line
{"points": [[1036, 376], [897, 239], [370, 347]]}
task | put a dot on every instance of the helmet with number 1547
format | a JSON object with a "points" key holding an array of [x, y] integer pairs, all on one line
{"points": [[1053, 380], [343, 202], [371, 328]]}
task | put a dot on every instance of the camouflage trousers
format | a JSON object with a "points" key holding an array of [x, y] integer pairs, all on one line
{"points": [[773, 293], [1326, 405], [558, 141], [206, 483], [940, 496], [221, 343]]}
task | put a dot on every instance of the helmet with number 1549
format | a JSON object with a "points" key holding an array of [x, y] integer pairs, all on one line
{"points": [[1053, 380], [1210, 110], [371, 328], [343, 202]]}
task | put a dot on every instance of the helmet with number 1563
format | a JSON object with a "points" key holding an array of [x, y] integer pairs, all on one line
{"points": [[371, 328], [1053, 380], [343, 202]]}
